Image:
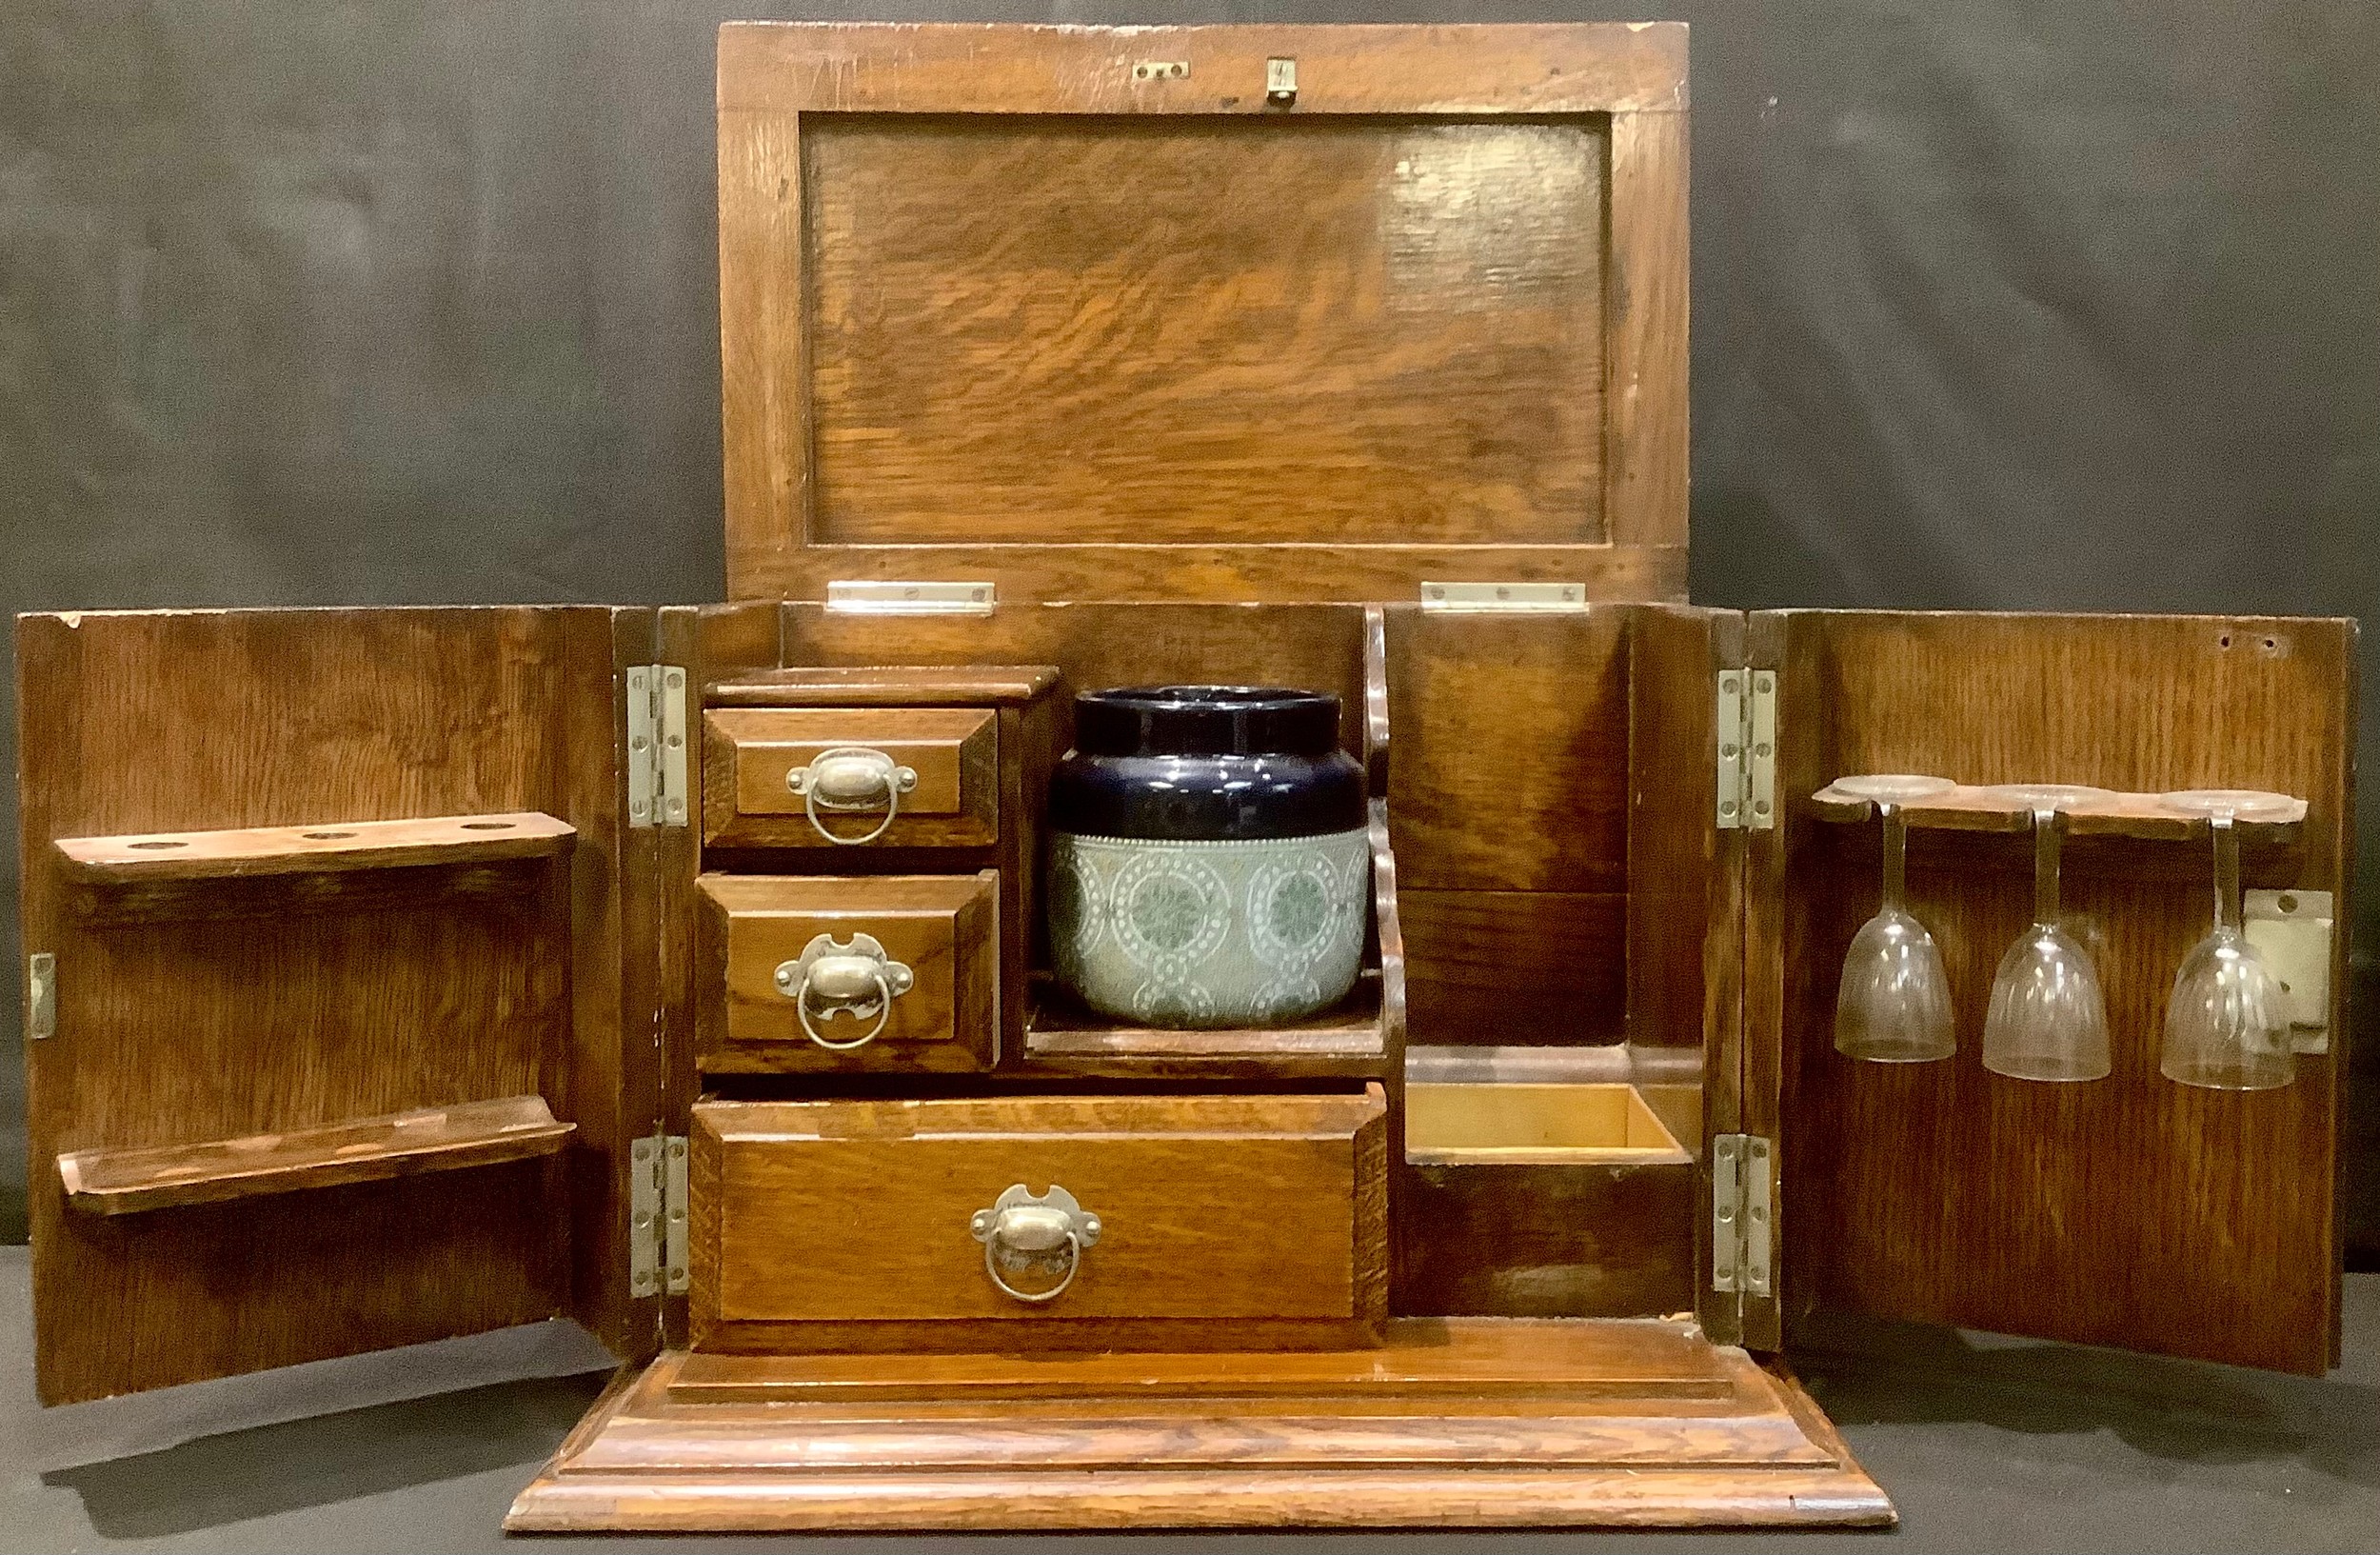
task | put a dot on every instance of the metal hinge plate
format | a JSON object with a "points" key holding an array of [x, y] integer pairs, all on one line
{"points": [[1743, 1189], [1744, 715], [657, 1208], [41, 995], [1504, 596], [657, 752], [845, 597]]}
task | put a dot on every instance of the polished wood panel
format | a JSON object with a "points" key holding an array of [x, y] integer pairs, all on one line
{"points": [[751, 754], [1409, 280], [122, 1181], [174, 1031], [1212, 1209], [945, 928], [1452, 1422], [1971, 807], [246, 851], [1409, 312], [880, 686], [1347, 1039], [2128, 1211], [1511, 768], [1565, 68], [1509, 967]]}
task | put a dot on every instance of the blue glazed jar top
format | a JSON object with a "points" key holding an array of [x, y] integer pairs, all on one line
{"points": [[1206, 764]]}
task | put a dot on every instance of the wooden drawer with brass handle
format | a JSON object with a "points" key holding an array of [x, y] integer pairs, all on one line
{"points": [[850, 777], [801, 972], [1040, 1223]]}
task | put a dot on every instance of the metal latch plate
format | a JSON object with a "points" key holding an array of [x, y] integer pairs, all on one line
{"points": [[41, 995]]}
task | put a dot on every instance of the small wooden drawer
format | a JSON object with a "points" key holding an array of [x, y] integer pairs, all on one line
{"points": [[823, 777], [1131, 1222], [848, 972]]}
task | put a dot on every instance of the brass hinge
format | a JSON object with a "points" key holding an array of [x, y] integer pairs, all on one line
{"points": [[1745, 718], [1504, 596], [1743, 1191], [845, 597], [657, 753], [657, 1224], [41, 995]]}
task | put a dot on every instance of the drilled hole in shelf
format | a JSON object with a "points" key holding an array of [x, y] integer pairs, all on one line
{"points": [[324, 836], [2225, 639], [487, 826], [2289, 904], [162, 842]]}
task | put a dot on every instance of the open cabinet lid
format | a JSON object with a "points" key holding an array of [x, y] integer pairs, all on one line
{"points": [[331, 993], [1247, 312]]}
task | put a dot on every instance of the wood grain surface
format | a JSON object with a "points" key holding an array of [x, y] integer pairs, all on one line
{"points": [[248, 852], [945, 928], [1212, 1209], [1450, 1423], [180, 1030], [1445, 296], [122, 1181], [750, 754], [2128, 1211]]}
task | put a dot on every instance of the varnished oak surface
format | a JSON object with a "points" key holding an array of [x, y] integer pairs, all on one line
{"points": [[368, 1150], [749, 755], [338, 846], [2130, 1210], [1971, 807], [1261, 1207], [991, 310], [174, 1029], [868, 685], [945, 928], [1450, 1423]]}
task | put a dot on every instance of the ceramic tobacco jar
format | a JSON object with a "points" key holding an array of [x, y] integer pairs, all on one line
{"points": [[1208, 856]]}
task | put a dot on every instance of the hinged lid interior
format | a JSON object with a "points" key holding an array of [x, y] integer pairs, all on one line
{"points": [[1090, 313]]}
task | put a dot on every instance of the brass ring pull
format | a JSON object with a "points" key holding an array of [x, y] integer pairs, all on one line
{"points": [[1020, 1228], [848, 979], [849, 778]]}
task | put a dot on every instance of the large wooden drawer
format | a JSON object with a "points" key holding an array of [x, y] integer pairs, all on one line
{"points": [[894, 777], [1201, 1223], [786, 969]]}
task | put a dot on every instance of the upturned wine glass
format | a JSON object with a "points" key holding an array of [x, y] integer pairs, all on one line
{"points": [[1894, 1006], [2226, 1026], [2048, 1019]]}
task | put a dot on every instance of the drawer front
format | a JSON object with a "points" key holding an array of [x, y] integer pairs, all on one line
{"points": [[892, 777], [1046, 1220], [801, 972]]}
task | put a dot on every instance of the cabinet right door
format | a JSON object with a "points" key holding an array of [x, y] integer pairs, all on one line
{"points": [[2125, 1211]]}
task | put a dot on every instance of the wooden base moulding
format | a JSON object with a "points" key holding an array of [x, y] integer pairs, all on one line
{"points": [[1508, 1423]]}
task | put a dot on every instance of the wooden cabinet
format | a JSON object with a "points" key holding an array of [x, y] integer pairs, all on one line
{"points": [[680, 972], [1181, 1223], [827, 971]]}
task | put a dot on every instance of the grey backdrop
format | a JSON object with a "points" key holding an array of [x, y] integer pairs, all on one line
{"points": [[2073, 304]]}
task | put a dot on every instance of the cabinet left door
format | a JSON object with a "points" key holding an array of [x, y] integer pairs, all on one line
{"points": [[338, 988]]}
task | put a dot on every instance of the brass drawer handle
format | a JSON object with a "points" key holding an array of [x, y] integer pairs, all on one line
{"points": [[857, 979], [1020, 1229], [850, 778]]}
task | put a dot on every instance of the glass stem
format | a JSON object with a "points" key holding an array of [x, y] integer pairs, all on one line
{"points": [[2225, 872], [1895, 851], [2045, 842]]}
